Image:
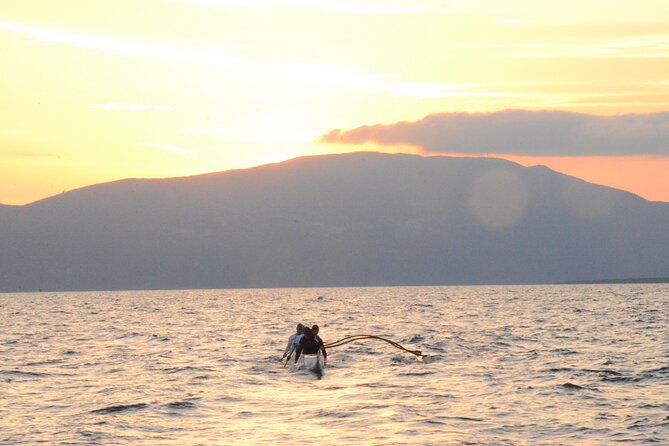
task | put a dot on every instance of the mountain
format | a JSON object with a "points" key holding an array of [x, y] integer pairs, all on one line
{"points": [[335, 220]]}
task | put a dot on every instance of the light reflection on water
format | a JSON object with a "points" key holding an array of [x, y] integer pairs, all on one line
{"points": [[505, 365]]}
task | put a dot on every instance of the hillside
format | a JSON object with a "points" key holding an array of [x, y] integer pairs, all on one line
{"points": [[335, 220]]}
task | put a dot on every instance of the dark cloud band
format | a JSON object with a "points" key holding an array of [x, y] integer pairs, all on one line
{"points": [[521, 132]]}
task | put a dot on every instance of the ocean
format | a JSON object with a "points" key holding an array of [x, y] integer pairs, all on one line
{"points": [[503, 365]]}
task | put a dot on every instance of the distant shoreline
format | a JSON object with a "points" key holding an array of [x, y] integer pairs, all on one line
{"points": [[614, 281]]}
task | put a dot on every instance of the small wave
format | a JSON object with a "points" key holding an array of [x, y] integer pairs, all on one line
{"points": [[230, 399], [655, 406], [417, 373], [363, 350], [640, 424], [565, 352], [649, 374], [560, 369], [91, 435], [333, 414], [440, 346], [622, 379], [48, 362], [428, 359], [128, 335], [399, 359], [570, 386], [181, 405], [604, 372], [120, 408], [462, 418], [22, 373], [662, 370], [380, 385], [598, 371], [155, 337], [433, 422], [186, 369], [437, 349]]}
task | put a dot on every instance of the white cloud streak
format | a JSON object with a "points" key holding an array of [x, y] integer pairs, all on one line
{"points": [[211, 130], [316, 74], [116, 45], [514, 22], [116, 106], [346, 7], [171, 148], [10, 132], [641, 47], [270, 135]]}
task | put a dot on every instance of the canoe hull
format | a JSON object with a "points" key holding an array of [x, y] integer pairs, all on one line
{"points": [[314, 363]]}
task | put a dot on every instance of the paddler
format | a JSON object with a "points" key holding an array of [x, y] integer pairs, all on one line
{"points": [[315, 329], [293, 340], [310, 345]]}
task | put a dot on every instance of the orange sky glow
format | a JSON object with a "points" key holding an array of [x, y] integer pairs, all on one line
{"points": [[641, 175]]}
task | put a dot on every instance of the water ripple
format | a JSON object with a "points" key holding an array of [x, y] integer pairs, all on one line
{"points": [[120, 408]]}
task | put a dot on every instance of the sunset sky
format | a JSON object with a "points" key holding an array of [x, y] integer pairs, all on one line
{"points": [[99, 90]]}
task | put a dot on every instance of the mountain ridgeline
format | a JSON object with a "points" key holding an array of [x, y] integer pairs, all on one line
{"points": [[335, 220]]}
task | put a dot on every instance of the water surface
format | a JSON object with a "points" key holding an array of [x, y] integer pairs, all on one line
{"points": [[504, 366]]}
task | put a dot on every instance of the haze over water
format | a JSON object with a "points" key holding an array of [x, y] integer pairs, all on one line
{"points": [[504, 365]]}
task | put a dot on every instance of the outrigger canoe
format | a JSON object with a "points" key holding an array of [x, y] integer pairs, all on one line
{"points": [[313, 363]]}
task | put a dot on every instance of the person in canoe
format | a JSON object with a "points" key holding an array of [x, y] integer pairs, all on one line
{"points": [[310, 344], [315, 329], [293, 340]]}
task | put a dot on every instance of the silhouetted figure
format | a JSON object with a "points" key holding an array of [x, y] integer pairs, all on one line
{"points": [[310, 344], [315, 329]]}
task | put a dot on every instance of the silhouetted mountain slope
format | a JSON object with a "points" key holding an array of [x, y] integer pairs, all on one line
{"points": [[355, 219]]}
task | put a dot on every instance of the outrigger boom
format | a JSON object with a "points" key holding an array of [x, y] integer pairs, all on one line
{"points": [[360, 337]]}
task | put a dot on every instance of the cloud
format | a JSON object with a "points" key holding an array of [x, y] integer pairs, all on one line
{"points": [[171, 148], [347, 7], [520, 132], [128, 107], [635, 47], [514, 22], [270, 134], [221, 57], [10, 132], [29, 155], [119, 46], [211, 130]]}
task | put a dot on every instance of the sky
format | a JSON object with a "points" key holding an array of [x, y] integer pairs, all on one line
{"points": [[99, 90]]}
